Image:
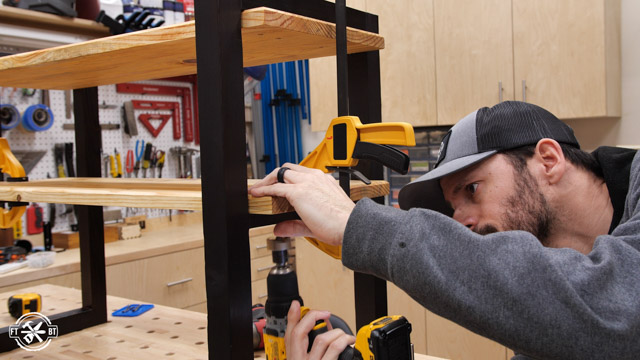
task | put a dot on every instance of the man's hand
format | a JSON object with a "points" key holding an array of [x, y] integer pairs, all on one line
{"points": [[327, 346], [318, 199]]}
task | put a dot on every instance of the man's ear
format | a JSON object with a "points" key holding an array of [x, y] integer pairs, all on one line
{"points": [[551, 158]]}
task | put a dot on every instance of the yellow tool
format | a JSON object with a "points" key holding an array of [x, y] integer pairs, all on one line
{"points": [[21, 304], [347, 140], [112, 162], [385, 338], [118, 163], [12, 167], [17, 230]]}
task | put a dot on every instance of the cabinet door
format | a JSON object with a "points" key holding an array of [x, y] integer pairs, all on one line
{"points": [[568, 54], [474, 58], [407, 70]]}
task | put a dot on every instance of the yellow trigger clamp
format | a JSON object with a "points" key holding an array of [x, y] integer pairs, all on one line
{"points": [[347, 140], [11, 166]]}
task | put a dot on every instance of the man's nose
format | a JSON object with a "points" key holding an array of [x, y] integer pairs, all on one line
{"points": [[465, 217]]}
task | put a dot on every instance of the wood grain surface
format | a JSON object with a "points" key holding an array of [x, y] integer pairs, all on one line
{"points": [[183, 194], [268, 36], [162, 332]]}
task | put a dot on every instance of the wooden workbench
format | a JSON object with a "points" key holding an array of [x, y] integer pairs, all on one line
{"points": [[183, 233], [162, 332]]}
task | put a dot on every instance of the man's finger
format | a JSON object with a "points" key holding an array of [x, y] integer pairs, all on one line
{"points": [[293, 316], [337, 346], [306, 324], [275, 189], [291, 228], [323, 342]]}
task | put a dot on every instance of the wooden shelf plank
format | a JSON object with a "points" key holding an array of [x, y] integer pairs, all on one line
{"points": [[149, 193], [268, 36]]}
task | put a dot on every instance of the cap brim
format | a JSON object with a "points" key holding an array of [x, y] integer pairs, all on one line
{"points": [[425, 191]]}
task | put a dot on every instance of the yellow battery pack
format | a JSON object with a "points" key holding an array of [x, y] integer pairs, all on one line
{"points": [[21, 304]]}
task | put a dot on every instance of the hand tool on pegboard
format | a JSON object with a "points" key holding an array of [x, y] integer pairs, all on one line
{"points": [[129, 163], [172, 106], [185, 161], [146, 160], [193, 79], [161, 155], [183, 92], [130, 124], [145, 119], [68, 158], [139, 152], [116, 164], [153, 162], [29, 159]]}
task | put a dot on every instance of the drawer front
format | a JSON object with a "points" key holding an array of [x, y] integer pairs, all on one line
{"points": [[260, 267], [258, 245], [175, 279], [259, 292]]}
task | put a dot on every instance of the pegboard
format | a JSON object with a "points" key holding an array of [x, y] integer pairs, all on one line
{"points": [[110, 112]]}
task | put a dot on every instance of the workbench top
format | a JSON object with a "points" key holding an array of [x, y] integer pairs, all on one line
{"points": [[162, 332]]}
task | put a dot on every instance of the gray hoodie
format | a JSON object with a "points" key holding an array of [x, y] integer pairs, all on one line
{"points": [[541, 302]]}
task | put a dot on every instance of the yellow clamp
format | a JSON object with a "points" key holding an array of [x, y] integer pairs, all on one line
{"points": [[12, 167], [349, 130]]}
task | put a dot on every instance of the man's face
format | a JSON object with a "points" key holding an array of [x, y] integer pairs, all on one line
{"points": [[495, 196]]}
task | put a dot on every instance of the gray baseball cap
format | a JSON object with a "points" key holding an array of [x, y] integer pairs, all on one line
{"points": [[477, 136]]}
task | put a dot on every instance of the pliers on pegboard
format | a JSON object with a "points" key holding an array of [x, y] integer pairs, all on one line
{"points": [[139, 152], [130, 163]]}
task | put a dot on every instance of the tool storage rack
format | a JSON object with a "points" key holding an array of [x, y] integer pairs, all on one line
{"points": [[219, 45]]}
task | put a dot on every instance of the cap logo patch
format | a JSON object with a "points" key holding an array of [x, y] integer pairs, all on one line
{"points": [[442, 152]]}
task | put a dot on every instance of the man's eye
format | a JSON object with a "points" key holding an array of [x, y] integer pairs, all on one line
{"points": [[471, 188]]}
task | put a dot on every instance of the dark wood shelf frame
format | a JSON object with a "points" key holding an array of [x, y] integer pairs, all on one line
{"points": [[226, 220]]}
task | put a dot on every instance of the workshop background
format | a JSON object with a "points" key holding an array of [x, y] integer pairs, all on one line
{"points": [[437, 54]]}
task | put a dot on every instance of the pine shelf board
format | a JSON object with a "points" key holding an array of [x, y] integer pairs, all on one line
{"points": [[268, 36], [180, 194]]}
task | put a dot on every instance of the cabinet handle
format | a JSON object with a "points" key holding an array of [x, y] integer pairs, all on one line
{"points": [[499, 91], [265, 268], [524, 90], [262, 296], [179, 282], [258, 247]]}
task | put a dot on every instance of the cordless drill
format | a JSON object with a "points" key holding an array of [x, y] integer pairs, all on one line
{"points": [[282, 289]]}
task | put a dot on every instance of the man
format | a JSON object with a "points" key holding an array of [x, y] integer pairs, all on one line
{"points": [[534, 243]]}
